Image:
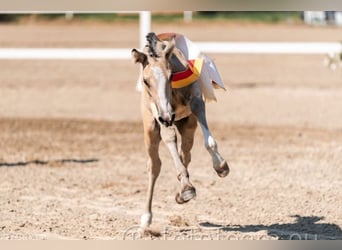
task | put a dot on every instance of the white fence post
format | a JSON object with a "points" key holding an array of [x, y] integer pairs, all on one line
{"points": [[69, 15], [187, 16], [144, 29], [145, 26]]}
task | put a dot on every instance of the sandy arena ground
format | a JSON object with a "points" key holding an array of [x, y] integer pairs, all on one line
{"points": [[72, 158]]}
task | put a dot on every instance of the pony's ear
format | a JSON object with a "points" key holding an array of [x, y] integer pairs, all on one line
{"points": [[169, 48], [139, 57]]}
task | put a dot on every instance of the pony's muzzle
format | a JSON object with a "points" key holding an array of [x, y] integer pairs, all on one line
{"points": [[167, 120]]}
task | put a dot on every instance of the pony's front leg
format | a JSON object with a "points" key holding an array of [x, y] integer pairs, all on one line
{"points": [[186, 127], [152, 141], [198, 108], [187, 191]]}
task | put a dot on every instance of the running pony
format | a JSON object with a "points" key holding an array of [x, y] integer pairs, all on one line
{"points": [[177, 80]]}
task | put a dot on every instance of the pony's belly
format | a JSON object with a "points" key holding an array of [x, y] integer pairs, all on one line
{"points": [[182, 112]]}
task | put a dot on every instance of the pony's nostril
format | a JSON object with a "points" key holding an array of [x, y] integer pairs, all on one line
{"points": [[167, 121], [162, 121], [173, 116]]}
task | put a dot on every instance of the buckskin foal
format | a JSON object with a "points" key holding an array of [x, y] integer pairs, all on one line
{"points": [[171, 102]]}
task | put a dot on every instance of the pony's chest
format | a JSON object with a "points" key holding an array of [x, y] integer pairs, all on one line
{"points": [[182, 112], [181, 105]]}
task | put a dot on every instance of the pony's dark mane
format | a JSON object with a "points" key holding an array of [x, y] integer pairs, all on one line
{"points": [[152, 44]]}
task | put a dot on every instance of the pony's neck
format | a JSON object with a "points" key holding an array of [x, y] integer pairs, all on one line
{"points": [[178, 61]]}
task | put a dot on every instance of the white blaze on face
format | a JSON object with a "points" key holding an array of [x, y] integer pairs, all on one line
{"points": [[154, 110], [160, 77]]}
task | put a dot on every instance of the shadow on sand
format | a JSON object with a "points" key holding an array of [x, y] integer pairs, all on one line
{"points": [[39, 162], [304, 228]]}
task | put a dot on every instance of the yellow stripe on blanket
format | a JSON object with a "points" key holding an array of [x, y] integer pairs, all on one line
{"points": [[187, 77]]}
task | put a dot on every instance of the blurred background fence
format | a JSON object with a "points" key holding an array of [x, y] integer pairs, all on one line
{"points": [[332, 49]]}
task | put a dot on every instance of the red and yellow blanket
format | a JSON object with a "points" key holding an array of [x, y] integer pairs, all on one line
{"points": [[185, 78]]}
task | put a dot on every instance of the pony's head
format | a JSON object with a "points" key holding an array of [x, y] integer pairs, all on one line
{"points": [[156, 76]]}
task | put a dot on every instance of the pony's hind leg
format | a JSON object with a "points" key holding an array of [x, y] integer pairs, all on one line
{"points": [[219, 163]]}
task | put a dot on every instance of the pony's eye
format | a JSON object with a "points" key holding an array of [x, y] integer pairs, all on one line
{"points": [[146, 83]]}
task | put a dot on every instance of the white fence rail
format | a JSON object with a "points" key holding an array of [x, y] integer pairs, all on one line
{"points": [[64, 54], [271, 47], [330, 48], [206, 47]]}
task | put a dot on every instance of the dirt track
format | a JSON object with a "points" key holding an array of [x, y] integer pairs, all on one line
{"points": [[72, 162]]}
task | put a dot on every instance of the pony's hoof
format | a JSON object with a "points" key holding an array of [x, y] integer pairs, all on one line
{"points": [[142, 232], [148, 233], [222, 170], [186, 195]]}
